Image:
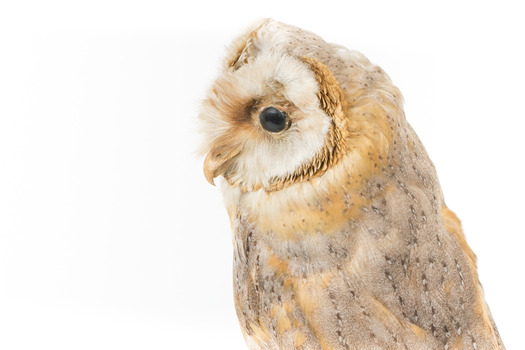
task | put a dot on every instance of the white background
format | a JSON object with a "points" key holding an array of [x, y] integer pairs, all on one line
{"points": [[110, 238]]}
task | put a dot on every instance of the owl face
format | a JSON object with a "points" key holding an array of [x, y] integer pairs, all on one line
{"points": [[263, 121]]}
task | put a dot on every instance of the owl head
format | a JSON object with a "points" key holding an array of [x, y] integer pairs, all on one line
{"points": [[276, 115]]}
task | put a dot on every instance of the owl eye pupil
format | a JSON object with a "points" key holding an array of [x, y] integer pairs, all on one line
{"points": [[273, 120]]}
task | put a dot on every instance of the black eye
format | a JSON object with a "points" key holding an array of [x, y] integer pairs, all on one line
{"points": [[273, 119]]}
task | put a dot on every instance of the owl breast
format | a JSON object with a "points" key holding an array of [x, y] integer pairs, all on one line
{"points": [[383, 280]]}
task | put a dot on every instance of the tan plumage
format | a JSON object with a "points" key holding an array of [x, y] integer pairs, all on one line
{"points": [[342, 239]]}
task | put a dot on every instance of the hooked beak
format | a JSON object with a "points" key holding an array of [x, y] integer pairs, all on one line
{"points": [[216, 161]]}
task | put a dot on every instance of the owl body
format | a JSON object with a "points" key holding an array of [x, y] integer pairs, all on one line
{"points": [[342, 239]]}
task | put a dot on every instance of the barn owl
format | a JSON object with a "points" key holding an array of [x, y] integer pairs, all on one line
{"points": [[342, 238]]}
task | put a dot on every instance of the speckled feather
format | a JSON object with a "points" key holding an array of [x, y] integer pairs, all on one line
{"points": [[342, 239]]}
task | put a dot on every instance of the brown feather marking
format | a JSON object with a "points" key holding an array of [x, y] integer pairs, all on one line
{"points": [[390, 319], [279, 266], [307, 300], [383, 313], [418, 331], [280, 313], [300, 339], [261, 334], [453, 226]]}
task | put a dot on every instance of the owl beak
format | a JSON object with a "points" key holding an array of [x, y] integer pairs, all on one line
{"points": [[216, 162]]}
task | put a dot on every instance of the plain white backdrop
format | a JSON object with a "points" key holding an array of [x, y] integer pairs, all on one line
{"points": [[110, 237]]}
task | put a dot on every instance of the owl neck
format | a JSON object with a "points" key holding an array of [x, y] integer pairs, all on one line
{"points": [[320, 205]]}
